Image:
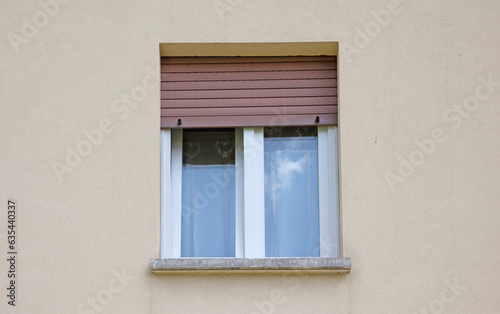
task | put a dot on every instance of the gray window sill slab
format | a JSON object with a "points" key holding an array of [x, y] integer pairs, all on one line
{"points": [[334, 264]]}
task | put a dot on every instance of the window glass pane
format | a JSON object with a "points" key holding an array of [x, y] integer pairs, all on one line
{"points": [[291, 197], [208, 193]]}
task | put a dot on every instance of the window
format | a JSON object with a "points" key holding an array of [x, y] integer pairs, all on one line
{"points": [[249, 157], [251, 192]]}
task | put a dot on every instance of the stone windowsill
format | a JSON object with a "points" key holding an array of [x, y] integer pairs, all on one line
{"points": [[335, 264]]}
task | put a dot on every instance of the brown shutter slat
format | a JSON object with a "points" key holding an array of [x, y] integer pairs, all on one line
{"points": [[226, 76], [247, 67], [212, 60], [248, 102], [246, 84], [248, 121], [188, 112], [248, 91]]}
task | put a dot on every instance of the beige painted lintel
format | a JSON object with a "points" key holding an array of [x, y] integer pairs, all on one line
{"points": [[248, 49]]}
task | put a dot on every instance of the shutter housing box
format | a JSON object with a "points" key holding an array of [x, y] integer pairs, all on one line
{"points": [[205, 92]]}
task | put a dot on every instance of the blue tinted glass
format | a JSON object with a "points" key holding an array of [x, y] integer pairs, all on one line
{"points": [[291, 197]]}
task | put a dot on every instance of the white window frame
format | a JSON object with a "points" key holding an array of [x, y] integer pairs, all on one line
{"points": [[250, 207]]}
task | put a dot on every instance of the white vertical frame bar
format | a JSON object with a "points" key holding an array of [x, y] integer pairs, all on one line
{"points": [[333, 184], [176, 206], [165, 203], [240, 199], [323, 191], [254, 202]]}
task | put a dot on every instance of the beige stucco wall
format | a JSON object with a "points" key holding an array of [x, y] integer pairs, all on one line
{"points": [[409, 237]]}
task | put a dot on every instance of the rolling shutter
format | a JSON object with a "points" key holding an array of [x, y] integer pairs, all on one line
{"points": [[248, 91]]}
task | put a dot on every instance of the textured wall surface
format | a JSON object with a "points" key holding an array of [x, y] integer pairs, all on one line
{"points": [[419, 93]]}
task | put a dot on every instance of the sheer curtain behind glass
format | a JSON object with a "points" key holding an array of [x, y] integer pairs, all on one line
{"points": [[208, 193], [291, 197]]}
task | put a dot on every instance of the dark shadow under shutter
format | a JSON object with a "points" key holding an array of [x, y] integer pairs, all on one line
{"points": [[248, 91]]}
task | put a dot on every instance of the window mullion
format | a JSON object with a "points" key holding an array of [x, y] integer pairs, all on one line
{"points": [[176, 216], [239, 197], [253, 177], [165, 249]]}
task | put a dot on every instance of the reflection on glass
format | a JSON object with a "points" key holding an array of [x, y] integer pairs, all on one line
{"points": [[291, 197], [208, 193]]}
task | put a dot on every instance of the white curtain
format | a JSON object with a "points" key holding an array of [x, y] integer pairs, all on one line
{"points": [[208, 193]]}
